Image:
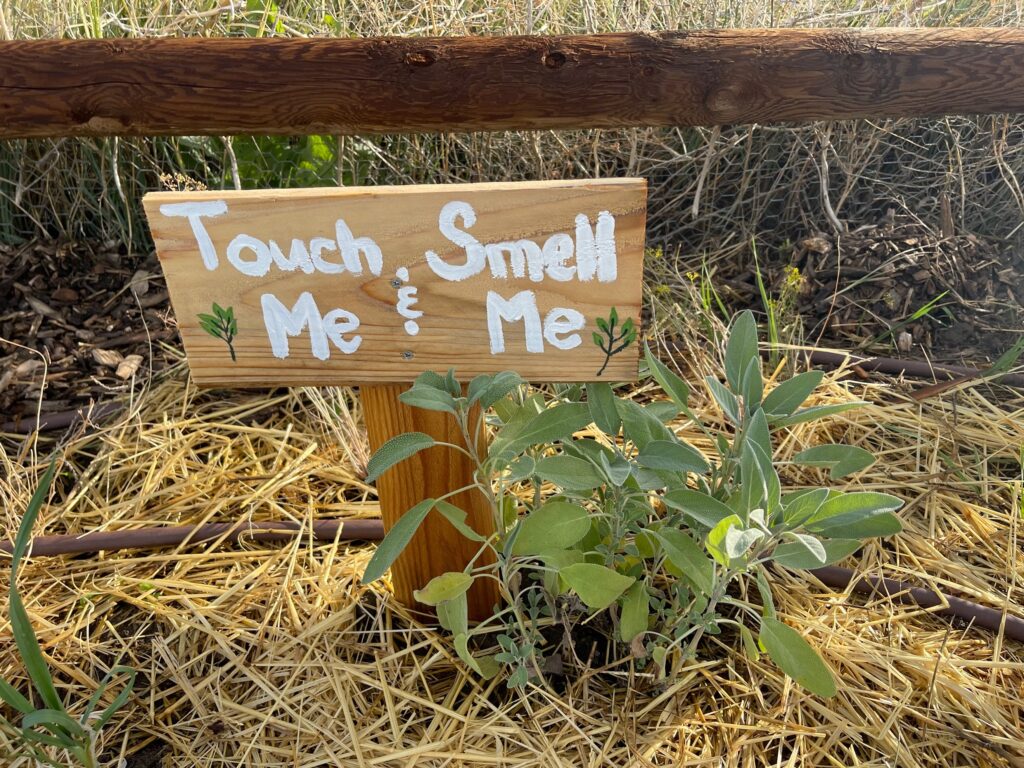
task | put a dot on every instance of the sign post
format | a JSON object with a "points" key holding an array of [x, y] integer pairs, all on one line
{"points": [[373, 286]]}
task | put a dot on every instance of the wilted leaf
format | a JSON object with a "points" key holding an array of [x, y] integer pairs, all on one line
{"points": [[447, 586]]}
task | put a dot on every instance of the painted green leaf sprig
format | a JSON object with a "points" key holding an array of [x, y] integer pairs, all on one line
{"points": [[612, 340], [221, 325]]}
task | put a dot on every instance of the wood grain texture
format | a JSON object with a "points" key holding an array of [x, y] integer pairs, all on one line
{"points": [[704, 77], [403, 222], [436, 547]]}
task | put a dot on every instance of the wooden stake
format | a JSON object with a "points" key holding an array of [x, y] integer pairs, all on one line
{"points": [[436, 547]]}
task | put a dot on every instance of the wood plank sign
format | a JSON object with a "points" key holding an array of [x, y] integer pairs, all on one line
{"points": [[378, 284]]}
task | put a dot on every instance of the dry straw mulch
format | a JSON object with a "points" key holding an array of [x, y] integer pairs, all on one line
{"points": [[276, 655]]}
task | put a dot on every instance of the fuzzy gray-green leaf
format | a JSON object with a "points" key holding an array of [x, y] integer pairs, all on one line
{"points": [[396, 449], [395, 541]]}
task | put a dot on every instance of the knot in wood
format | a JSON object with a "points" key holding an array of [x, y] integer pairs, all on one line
{"points": [[554, 59], [420, 58]]}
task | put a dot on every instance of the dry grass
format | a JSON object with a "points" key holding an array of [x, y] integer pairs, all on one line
{"points": [[277, 656], [712, 190]]}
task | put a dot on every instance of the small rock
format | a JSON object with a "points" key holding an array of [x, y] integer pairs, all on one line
{"points": [[904, 342], [108, 357], [140, 282]]}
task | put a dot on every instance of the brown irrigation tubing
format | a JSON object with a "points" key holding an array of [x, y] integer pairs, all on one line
{"points": [[373, 529]]}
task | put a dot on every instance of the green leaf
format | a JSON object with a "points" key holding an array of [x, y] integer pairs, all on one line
{"points": [[640, 426], [12, 697], [672, 385], [520, 469], [792, 554], [500, 386], [461, 643], [812, 545], [430, 379], [394, 542], [816, 412], [396, 449], [686, 555], [842, 460], [663, 410], [119, 701], [453, 614], [56, 721], [855, 505], [749, 644], [673, 456], [715, 541], [636, 609], [858, 527], [555, 525], [457, 517], [557, 423], [569, 473], [447, 586], [740, 349], [706, 510], [802, 507], [753, 386], [429, 399], [796, 657], [738, 541], [616, 469], [726, 400], [601, 402], [597, 586], [21, 627], [791, 394]]}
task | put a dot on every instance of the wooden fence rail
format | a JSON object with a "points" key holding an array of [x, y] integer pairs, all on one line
{"points": [[282, 86]]}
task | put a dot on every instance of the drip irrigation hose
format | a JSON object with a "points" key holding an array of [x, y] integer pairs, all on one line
{"points": [[966, 611]]}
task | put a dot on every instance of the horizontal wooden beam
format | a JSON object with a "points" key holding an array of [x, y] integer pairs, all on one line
{"points": [[384, 85]]}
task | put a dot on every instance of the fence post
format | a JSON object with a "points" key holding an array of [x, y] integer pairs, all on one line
{"points": [[436, 547]]}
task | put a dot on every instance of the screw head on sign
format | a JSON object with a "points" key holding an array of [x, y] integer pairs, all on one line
{"points": [[407, 355]]}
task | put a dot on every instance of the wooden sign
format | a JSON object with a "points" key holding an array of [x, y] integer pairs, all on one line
{"points": [[334, 286]]}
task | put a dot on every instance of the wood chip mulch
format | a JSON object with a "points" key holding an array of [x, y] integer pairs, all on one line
{"points": [[78, 324]]}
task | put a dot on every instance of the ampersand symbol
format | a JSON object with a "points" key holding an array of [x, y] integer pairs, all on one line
{"points": [[406, 299]]}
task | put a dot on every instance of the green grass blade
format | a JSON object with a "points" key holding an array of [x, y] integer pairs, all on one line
{"points": [[21, 627]]}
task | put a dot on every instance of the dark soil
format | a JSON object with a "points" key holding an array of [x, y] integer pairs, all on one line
{"points": [[860, 291], [71, 319]]}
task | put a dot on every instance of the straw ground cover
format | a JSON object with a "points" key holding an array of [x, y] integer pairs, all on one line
{"points": [[276, 655]]}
